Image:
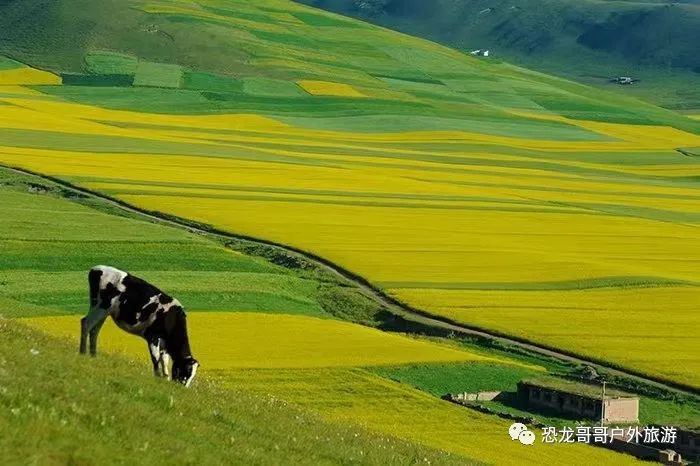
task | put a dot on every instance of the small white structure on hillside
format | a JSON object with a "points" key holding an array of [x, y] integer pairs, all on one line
{"points": [[480, 53]]}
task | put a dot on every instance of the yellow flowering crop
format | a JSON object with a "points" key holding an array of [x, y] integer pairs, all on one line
{"points": [[329, 88], [223, 340], [439, 218], [27, 76], [604, 323]]}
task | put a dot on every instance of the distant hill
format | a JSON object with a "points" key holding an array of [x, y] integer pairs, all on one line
{"points": [[586, 40], [228, 55]]}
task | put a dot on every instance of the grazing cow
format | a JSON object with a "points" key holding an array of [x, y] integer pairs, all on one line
{"points": [[141, 309]]}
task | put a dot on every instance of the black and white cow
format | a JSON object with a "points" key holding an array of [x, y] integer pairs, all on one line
{"points": [[141, 309]]}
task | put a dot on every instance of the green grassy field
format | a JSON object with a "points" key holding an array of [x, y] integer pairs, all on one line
{"points": [[442, 379], [110, 63], [256, 44], [57, 252]]}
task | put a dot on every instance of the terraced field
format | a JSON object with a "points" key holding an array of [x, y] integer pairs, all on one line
{"points": [[507, 233], [307, 358]]}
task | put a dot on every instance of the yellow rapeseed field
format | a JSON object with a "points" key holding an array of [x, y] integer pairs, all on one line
{"points": [[226, 340], [504, 254], [8, 90], [632, 325], [329, 88], [27, 76], [447, 221]]}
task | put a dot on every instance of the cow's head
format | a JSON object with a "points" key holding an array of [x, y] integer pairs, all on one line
{"points": [[185, 370]]}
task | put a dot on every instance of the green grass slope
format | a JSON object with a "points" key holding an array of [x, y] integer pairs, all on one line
{"points": [[60, 409], [589, 41]]}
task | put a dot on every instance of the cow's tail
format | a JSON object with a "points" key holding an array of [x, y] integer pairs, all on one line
{"points": [[94, 281]]}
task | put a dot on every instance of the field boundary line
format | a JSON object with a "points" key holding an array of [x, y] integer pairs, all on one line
{"points": [[392, 304]]}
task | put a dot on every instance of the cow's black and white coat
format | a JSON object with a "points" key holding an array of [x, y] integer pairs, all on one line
{"points": [[141, 309]]}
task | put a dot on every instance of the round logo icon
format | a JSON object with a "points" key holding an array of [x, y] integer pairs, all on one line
{"points": [[519, 431], [527, 437], [516, 429]]}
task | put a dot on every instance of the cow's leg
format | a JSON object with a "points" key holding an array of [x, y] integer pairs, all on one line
{"points": [[166, 362], [94, 333], [94, 317], [83, 335], [154, 349]]}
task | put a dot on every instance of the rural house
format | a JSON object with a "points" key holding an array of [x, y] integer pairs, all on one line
{"points": [[578, 399]]}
